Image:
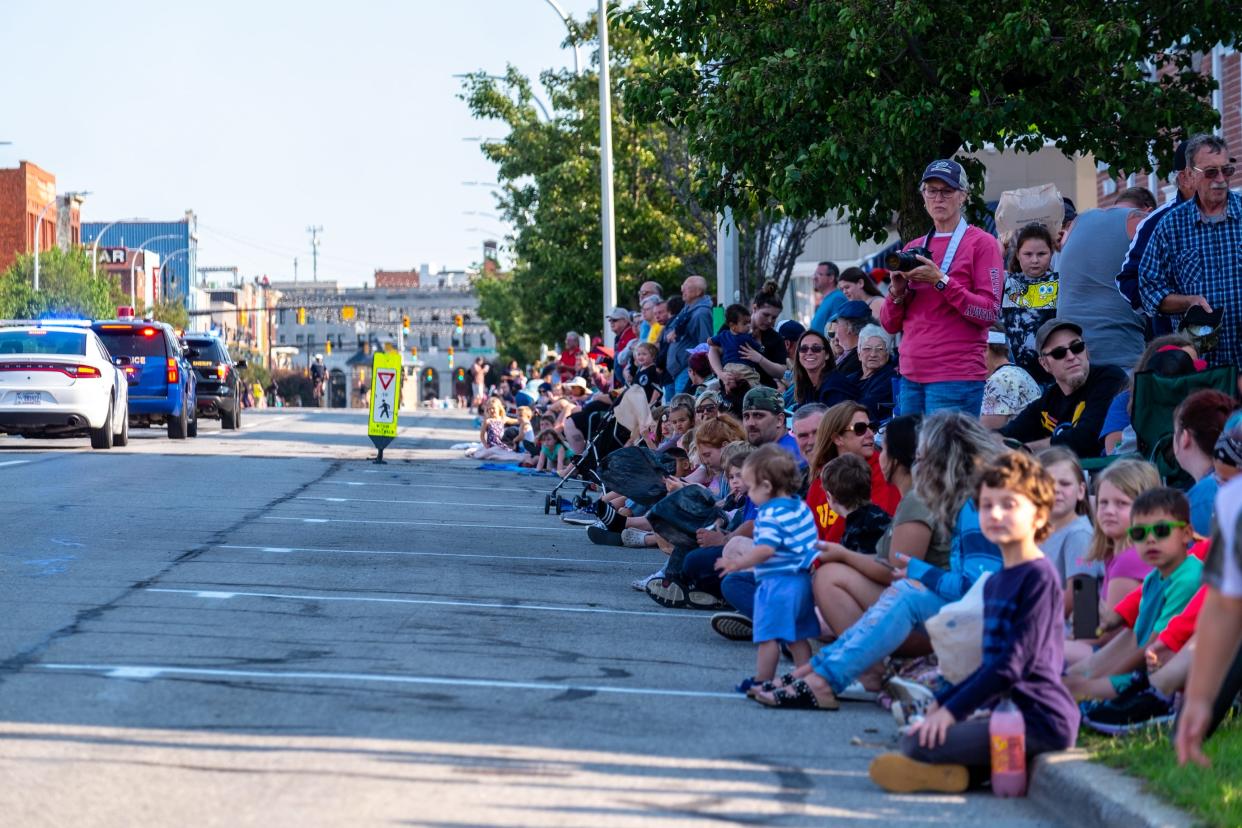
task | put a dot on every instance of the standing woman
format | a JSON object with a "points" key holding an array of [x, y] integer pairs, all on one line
{"points": [[765, 308], [944, 307], [856, 284], [816, 379]]}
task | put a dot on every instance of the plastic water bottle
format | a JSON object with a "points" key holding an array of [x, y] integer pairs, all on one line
{"points": [[1007, 731]]}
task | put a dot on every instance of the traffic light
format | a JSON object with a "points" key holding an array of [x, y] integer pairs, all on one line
{"points": [[405, 323], [328, 347], [461, 374], [348, 312], [414, 351], [450, 356], [457, 323], [301, 316]]}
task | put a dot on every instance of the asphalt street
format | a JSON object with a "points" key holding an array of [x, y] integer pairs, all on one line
{"points": [[264, 628]]}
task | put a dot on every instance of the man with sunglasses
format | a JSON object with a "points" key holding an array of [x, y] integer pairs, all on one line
{"points": [[1072, 409], [1194, 258]]}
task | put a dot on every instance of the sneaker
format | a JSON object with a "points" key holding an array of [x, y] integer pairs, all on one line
{"points": [[603, 537], [634, 538], [668, 592], [733, 626], [580, 517], [640, 584], [857, 692], [1129, 713], [912, 695], [898, 773]]}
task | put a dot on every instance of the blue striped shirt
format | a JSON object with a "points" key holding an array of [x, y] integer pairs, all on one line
{"points": [[1191, 256], [787, 525]]}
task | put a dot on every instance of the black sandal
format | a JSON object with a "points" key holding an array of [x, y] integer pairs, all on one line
{"points": [[778, 683], [801, 698]]}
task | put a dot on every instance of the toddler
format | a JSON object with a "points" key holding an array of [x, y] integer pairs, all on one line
{"points": [[781, 551], [847, 482], [1023, 635], [734, 336]]}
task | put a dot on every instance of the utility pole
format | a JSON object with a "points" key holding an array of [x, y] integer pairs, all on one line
{"points": [[295, 268], [605, 171], [315, 230]]}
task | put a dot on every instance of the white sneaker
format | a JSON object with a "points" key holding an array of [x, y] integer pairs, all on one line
{"points": [[912, 695], [634, 538], [640, 584]]}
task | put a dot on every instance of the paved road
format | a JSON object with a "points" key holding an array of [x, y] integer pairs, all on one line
{"points": [[261, 628]]}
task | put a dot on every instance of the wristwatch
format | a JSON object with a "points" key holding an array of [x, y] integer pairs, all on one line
{"points": [[944, 281]]}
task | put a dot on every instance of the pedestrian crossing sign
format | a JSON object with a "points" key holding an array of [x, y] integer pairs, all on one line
{"points": [[385, 394]]}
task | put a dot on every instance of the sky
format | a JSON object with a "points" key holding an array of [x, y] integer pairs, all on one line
{"points": [[268, 117]]}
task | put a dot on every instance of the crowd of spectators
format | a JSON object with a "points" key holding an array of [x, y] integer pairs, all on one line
{"points": [[918, 449]]}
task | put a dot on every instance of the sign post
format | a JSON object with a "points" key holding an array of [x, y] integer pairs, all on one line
{"points": [[386, 377]]}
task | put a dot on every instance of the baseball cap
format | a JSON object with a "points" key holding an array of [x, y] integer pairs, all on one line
{"points": [[618, 313], [854, 309], [1179, 157], [790, 330], [707, 397], [763, 398], [948, 171], [1229, 444], [1052, 326]]}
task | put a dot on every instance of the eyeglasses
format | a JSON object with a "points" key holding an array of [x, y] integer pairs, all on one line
{"points": [[937, 192], [1210, 173], [707, 408], [874, 349], [810, 349], [1076, 347], [1161, 529], [860, 429]]}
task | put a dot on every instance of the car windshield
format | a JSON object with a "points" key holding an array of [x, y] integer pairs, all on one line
{"points": [[38, 341], [206, 350], [136, 341]]}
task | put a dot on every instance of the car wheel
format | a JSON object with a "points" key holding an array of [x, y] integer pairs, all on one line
{"points": [[178, 427], [122, 439], [101, 438], [229, 420], [192, 429]]}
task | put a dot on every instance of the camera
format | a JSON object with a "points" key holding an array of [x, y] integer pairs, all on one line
{"points": [[904, 260]]}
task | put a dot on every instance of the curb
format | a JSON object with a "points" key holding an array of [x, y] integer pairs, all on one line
{"points": [[1077, 791]]}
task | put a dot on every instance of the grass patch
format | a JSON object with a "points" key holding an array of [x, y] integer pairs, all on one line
{"points": [[1213, 794]]}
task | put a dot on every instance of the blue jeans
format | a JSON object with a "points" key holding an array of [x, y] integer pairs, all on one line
{"points": [[683, 382], [699, 569], [901, 609], [927, 397], [738, 588]]}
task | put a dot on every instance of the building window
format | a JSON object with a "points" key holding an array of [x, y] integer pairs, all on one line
{"points": [[465, 340], [300, 339], [1109, 186], [435, 340], [282, 339]]}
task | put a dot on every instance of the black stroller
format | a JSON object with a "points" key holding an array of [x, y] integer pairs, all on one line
{"points": [[604, 435]]}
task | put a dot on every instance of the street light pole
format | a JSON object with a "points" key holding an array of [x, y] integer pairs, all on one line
{"points": [[100, 235], [605, 173], [38, 242], [560, 12], [133, 265]]}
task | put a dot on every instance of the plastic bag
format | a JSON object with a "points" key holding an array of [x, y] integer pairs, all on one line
{"points": [[680, 515], [1029, 205], [638, 473], [956, 634]]}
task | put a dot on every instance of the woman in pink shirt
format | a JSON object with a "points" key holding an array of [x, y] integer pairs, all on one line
{"points": [[944, 307]]}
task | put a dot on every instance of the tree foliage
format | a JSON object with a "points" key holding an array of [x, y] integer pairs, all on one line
{"points": [[824, 104], [66, 288], [174, 313]]}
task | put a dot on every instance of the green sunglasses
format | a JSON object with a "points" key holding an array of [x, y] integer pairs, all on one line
{"points": [[1161, 529]]}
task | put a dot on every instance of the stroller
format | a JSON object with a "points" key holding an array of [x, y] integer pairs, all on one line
{"points": [[1155, 399], [606, 431]]}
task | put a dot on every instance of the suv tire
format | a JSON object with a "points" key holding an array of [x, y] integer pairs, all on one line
{"points": [[101, 438], [177, 428]]}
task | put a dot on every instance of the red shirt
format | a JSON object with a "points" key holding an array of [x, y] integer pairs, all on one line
{"points": [[828, 523], [569, 363], [624, 339]]}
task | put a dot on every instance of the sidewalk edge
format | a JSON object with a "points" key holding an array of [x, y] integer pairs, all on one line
{"points": [[1077, 791]]}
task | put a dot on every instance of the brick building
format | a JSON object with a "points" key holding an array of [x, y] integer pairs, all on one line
{"points": [[396, 278], [1223, 63], [24, 191]]}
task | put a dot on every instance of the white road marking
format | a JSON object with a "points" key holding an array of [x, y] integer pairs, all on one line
{"points": [[288, 549], [159, 671], [367, 599], [13, 462], [505, 526], [417, 502], [417, 486]]}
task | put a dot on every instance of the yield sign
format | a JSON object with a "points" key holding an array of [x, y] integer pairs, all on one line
{"points": [[385, 378]]}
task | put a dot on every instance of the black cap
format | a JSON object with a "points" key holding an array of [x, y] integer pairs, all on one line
{"points": [[1052, 326], [1179, 157], [790, 330]]}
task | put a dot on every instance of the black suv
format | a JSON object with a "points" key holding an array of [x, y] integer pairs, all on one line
{"points": [[219, 379]]}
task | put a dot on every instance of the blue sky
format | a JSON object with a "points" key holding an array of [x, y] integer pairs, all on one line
{"points": [[266, 117]]}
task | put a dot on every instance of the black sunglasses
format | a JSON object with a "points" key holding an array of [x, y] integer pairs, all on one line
{"points": [[860, 429], [1161, 529], [1210, 173], [1076, 347], [810, 349]]}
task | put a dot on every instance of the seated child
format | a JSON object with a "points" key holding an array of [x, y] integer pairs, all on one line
{"points": [[553, 450], [847, 482], [734, 336], [781, 550], [1023, 636], [1160, 529]]}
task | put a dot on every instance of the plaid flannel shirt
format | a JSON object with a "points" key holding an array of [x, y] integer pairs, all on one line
{"points": [[1190, 256]]}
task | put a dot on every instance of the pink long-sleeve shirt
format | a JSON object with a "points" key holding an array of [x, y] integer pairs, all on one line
{"points": [[945, 333]]}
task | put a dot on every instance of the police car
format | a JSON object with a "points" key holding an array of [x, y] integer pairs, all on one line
{"points": [[57, 379]]}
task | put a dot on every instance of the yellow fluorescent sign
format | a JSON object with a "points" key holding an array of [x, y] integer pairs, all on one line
{"points": [[385, 394]]}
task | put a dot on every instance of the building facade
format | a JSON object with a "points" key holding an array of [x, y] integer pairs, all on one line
{"points": [[176, 243], [25, 191]]}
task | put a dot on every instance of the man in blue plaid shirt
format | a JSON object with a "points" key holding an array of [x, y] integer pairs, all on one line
{"points": [[1195, 254]]}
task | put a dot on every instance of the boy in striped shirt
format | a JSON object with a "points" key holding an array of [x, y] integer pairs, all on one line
{"points": [[781, 551]]}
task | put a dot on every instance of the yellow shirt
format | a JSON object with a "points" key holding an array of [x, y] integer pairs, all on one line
{"points": [[653, 336]]}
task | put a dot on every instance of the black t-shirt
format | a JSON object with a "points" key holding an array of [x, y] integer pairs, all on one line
{"points": [[649, 380], [772, 345], [1073, 421]]}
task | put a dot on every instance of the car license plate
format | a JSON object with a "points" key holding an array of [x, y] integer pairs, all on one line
{"points": [[29, 398]]}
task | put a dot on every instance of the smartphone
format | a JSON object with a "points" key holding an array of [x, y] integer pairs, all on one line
{"points": [[1086, 606]]}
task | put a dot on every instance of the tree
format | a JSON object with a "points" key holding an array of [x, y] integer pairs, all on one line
{"points": [[66, 288], [549, 176], [174, 313], [819, 105]]}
